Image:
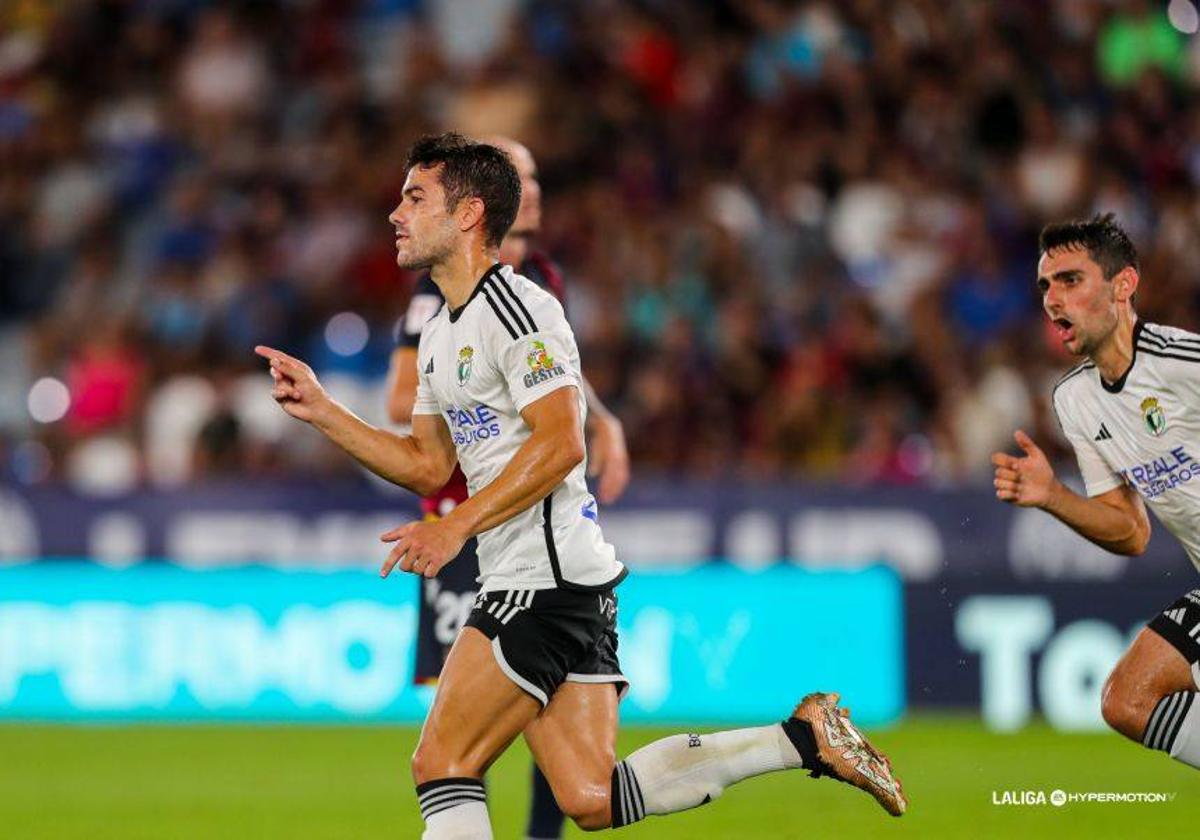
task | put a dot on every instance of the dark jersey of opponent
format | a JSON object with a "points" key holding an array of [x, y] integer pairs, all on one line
{"points": [[425, 302]]}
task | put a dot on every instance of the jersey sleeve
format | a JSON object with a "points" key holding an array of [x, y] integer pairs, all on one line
{"points": [[425, 402], [537, 362], [425, 302], [1098, 477]]}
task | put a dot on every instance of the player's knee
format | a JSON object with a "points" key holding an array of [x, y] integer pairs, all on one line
{"points": [[588, 809], [1124, 708], [432, 761]]}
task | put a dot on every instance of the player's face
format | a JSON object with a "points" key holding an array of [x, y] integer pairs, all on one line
{"points": [[426, 230], [1080, 303]]}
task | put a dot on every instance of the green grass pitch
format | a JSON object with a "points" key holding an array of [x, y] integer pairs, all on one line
{"points": [[196, 781]]}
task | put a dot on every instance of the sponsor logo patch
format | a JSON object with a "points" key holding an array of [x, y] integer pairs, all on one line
{"points": [[473, 424], [541, 365], [1156, 477]]}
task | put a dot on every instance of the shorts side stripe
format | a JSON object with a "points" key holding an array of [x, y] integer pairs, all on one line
{"points": [[521, 682]]}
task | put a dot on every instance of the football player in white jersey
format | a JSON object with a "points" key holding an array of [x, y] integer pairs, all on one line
{"points": [[1131, 411], [498, 392]]}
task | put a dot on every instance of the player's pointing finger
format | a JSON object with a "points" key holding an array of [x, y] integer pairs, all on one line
{"points": [[268, 352], [278, 358]]}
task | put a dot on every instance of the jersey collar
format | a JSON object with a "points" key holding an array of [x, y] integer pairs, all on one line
{"points": [[455, 313], [1115, 387]]}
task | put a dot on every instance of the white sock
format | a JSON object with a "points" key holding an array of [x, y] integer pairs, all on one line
{"points": [[1187, 742], [1174, 727], [454, 809], [683, 771]]}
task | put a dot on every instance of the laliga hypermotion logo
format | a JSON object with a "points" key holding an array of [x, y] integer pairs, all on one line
{"points": [[465, 356], [1156, 421]]}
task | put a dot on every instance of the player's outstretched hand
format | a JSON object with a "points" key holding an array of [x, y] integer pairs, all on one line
{"points": [[609, 459], [1027, 481], [422, 548], [296, 387]]}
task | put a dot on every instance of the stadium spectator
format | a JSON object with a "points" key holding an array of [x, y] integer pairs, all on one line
{"points": [[800, 232]]}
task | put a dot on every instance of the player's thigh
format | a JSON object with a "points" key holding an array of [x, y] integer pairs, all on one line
{"points": [[573, 741], [476, 713], [1165, 656]]}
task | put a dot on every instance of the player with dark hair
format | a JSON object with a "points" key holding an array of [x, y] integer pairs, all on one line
{"points": [[1131, 411], [499, 392], [446, 600]]}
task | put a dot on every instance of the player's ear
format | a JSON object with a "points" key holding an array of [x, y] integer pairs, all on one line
{"points": [[1125, 283], [470, 213]]}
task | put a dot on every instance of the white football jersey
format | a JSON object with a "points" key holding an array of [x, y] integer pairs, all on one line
{"points": [[479, 366], [1144, 429]]}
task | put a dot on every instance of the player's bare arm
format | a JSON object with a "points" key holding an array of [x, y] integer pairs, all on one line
{"points": [[402, 385], [609, 460], [421, 462], [554, 448], [1116, 520]]}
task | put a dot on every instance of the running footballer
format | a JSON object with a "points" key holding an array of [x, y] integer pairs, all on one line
{"points": [[499, 394], [1131, 411]]}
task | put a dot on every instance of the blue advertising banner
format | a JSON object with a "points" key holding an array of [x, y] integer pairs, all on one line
{"points": [[715, 644], [923, 534]]}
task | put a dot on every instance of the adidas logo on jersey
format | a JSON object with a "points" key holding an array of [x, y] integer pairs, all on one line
{"points": [[429, 367], [1103, 434], [1176, 615]]}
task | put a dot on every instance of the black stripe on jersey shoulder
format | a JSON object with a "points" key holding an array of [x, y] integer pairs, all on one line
{"points": [[500, 315], [1169, 342], [1177, 353], [492, 287], [1071, 374], [507, 290], [455, 314]]}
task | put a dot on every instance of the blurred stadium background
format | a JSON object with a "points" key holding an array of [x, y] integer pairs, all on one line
{"points": [[799, 239]]}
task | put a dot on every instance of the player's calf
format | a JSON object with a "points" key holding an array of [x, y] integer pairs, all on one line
{"points": [[685, 771]]}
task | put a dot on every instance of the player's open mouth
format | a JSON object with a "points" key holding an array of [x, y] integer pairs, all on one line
{"points": [[1064, 328]]}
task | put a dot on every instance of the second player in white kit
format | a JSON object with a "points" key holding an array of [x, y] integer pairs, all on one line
{"points": [[1144, 429], [1131, 412]]}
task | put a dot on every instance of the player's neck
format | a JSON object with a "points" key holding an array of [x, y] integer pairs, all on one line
{"points": [[1114, 357], [460, 273]]}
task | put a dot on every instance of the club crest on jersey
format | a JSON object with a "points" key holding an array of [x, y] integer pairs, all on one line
{"points": [[1156, 421], [541, 365], [465, 357]]}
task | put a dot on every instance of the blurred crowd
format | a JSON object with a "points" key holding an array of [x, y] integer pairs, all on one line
{"points": [[799, 237]]}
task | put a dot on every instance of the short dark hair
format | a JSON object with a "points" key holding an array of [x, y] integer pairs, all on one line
{"points": [[1106, 242], [473, 169]]}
